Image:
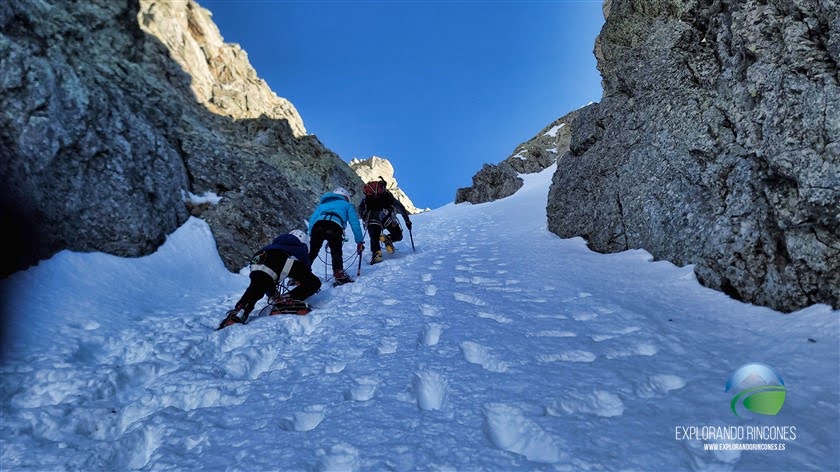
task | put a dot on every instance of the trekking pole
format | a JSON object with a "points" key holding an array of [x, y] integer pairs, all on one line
{"points": [[411, 235], [359, 254]]}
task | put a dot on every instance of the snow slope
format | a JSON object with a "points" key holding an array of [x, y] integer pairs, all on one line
{"points": [[495, 346]]}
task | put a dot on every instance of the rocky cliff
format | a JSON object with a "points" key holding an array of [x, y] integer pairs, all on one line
{"points": [[495, 181], [112, 113], [717, 143], [375, 167]]}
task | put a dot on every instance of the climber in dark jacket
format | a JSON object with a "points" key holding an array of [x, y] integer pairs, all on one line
{"points": [[379, 212], [286, 256]]}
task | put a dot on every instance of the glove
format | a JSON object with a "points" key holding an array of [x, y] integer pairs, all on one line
{"points": [[408, 224], [360, 247]]}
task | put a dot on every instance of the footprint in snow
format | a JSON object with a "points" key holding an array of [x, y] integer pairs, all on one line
{"points": [[553, 334], [87, 325], [476, 280], [584, 316], [301, 326], [568, 356], [362, 390], [430, 290], [628, 330], [640, 349], [184, 397], [614, 334], [305, 420], [387, 346], [426, 277], [232, 338], [463, 297], [334, 367], [390, 301], [431, 389], [509, 430], [598, 403], [659, 385], [477, 354], [341, 456], [429, 310], [250, 363], [492, 316], [364, 332], [431, 334]]}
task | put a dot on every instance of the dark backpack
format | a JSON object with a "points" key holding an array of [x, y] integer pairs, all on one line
{"points": [[375, 187]]}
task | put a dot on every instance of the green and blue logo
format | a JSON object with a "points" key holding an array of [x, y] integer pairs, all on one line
{"points": [[758, 388]]}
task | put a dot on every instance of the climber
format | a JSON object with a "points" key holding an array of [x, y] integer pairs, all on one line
{"points": [[286, 256], [379, 211], [327, 223]]}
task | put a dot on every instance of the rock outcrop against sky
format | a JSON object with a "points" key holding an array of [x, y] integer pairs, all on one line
{"points": [[374, 167]]}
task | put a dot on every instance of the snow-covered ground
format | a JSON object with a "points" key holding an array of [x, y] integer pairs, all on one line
{"points": [[495, 346]]}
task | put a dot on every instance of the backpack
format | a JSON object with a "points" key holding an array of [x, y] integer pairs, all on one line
{"points": [[375, 187]]}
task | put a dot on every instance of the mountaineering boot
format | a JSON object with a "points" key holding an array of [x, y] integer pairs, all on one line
{"points": [[287, 305], [235, 316], [341, 278], [377, 258], [278, 298], [389, 245]]}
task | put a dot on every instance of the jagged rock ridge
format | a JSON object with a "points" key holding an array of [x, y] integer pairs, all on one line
{"points": [[717, 143], [495, 181], [103, 134], [375, 167]]}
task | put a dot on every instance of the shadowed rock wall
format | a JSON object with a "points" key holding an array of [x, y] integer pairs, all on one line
{"points": [[105, 130], [717, 143]]}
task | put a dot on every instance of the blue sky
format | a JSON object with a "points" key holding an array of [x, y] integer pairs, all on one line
{"points": [[438, 88]]}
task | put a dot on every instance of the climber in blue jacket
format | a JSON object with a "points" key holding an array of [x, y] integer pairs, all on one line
{"points": [[327, 223]]}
